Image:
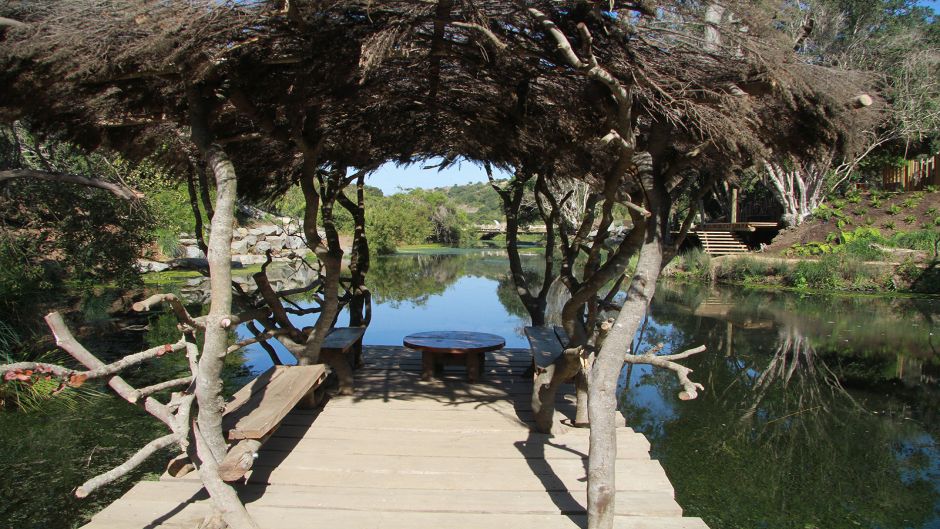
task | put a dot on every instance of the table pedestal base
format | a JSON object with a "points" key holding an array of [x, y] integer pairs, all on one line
{"points": [[433, 363]]}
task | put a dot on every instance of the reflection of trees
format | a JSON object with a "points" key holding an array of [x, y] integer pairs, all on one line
{"points": [[807, 383], [413, 278], [779, 438]]}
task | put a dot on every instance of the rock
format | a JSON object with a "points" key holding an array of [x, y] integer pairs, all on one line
{"points": [[261, 247], [294, 242], [240, 247], [241, 232], [248, 260], [276, 243], [257, 232], [146, 265], [188, 242], [250, 240], [193, 252], [271, 229]]}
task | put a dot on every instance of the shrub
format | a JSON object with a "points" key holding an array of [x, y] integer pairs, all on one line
{"points": [[810, 249], [860, 211], [869, 221], [894, 209], [890, 225], [910, 219], [924, 240], [910, 202], [696, 263], [825, 213], [931, 211], [875, 202], [853, 198]]}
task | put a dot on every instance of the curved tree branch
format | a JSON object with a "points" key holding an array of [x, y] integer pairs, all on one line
{"points": [[119, 190]]}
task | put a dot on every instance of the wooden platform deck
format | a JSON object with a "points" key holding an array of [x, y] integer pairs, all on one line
{"points": [[406, 454]]}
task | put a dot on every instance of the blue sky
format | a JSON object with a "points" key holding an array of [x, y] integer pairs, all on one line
{"points": [[391, 178]]}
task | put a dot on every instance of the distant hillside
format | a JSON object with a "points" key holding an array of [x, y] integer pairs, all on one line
{"points": [[479, 201]]}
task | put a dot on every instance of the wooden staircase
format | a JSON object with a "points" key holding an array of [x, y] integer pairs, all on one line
{"points": [[720, 242]]}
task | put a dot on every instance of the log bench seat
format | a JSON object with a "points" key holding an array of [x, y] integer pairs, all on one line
{"points": [[552, 366], [256, 410], [342, 351]]}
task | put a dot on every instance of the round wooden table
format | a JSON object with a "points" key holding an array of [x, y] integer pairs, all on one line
{"points": [[440, 347]]}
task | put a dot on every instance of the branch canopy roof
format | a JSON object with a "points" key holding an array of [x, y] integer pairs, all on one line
{"points": [[369, 82]]}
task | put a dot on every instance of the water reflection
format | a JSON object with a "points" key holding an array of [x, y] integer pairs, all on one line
{"points": [[807, 422]]}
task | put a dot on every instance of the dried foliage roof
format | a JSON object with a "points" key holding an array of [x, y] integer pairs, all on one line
{"points": [[406, 80]]}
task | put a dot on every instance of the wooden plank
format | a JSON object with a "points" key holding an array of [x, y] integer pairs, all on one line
{"points": [[266, 407], [341, 339], [255, 385], [435, 444], [420, 472], [544, 344], [637, 503], [153, 514]]}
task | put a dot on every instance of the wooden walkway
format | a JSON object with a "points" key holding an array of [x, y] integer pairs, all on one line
{"points": [[406, 454]]}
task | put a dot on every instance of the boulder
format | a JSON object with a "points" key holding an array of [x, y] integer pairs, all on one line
{"points": [[240, 246], [193, 252], [146, 265], [271, 229], [276, 243], [294, 242], [250, 240], [257, 232], [261, 247], [248, 260], [241, 232]]}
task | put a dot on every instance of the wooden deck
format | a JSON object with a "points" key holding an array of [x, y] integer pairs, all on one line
{"points": [[406, 454]]}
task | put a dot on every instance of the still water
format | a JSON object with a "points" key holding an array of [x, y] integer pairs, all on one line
{"points": [[819, 412]]}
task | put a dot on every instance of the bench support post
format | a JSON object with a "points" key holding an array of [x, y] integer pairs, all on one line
{"points": [[545, 388]]}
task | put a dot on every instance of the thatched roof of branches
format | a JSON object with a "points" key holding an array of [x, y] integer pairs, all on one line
{"points": [[403, 80]]}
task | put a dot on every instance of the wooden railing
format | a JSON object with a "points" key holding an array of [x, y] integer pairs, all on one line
{"points": [[913, 175]]}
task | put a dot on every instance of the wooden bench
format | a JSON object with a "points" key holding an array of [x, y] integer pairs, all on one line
{"points": [[552, 366], [256, 410], [335, 352]]}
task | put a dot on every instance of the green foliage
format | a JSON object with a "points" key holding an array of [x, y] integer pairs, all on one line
{"points": [[54, 231], [696, 264], [825, 213], [931, 211], [910, 202], [925, 240], [416, 217], [854, 197], [910, 219], [890, 225], [894, 209], [810, 249], [860, 211]]}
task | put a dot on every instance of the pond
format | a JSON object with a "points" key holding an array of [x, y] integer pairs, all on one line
{"points": [[819, 412]]}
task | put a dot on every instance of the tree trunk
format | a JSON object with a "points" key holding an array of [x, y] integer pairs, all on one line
{"points": [[602, 390], [210, 442]]}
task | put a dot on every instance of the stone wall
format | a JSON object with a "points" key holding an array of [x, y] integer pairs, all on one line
{"points": [[249, 246]]}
